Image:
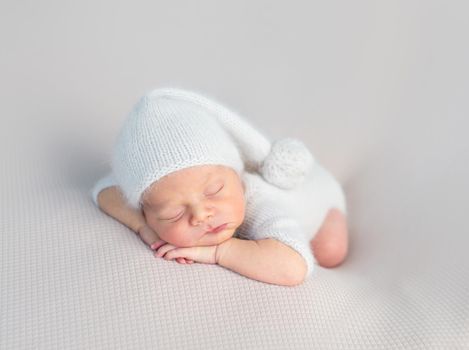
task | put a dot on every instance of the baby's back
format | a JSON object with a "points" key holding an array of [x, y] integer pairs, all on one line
{"points": [[308, 203]]}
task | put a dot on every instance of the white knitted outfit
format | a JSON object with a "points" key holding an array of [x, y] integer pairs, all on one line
{"points": [[288, 193]]}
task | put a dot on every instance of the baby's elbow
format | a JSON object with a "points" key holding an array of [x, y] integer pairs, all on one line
{"points": [[290, 267], [298, 274]]}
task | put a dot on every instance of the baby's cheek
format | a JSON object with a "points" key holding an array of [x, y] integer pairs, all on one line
{"points": [[176, 236], [238, 208], [165, 234], [160, 230]]}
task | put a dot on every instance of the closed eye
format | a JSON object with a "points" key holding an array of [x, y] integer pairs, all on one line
{"points": [[212, 194], [175, 218]]}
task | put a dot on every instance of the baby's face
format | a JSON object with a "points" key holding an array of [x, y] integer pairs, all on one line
{"points": [[185, 205]]}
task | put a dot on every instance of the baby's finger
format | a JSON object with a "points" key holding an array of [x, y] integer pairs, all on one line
{"points": [[157, 244], [175, 253], [181, 260], [164, 249], [186, 253]]}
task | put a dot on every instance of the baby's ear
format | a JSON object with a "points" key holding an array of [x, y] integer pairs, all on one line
{"points": [[144, 201], [145, 207]]}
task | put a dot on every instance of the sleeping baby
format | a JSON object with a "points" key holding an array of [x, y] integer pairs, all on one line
{"points": [[198, 183]]}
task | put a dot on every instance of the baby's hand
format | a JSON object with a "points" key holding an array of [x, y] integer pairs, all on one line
{"points": [[152, 239], [201, 254], [157, 245]]}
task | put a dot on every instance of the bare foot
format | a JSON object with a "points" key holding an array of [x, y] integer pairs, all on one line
{"points": [[330, 245]]}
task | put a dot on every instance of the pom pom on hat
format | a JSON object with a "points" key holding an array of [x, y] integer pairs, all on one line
{"points": [[171, 129], [287, 163]]}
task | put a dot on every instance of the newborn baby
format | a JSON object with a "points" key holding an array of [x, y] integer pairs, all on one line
{"points": [[220, 203]]}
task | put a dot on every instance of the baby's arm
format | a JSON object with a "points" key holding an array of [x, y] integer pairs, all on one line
{"points": [[266, 260], [111, 201]]}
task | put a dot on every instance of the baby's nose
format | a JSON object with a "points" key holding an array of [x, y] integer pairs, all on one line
{"points": [[202, 216]]}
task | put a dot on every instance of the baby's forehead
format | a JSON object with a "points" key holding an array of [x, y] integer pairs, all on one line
{"points": [[191, 177]]}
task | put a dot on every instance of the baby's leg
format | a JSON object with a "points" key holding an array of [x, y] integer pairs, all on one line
{"points": [[330, 244]]}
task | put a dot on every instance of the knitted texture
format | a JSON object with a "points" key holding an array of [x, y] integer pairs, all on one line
{"points": [[287, 163], [171, 129]]}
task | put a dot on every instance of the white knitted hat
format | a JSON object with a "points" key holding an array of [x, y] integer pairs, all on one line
{"points": [[171, 129]]}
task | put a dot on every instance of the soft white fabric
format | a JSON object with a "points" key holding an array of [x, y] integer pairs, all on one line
{"points": [[165, 132], [170, 129], [290, 216]]}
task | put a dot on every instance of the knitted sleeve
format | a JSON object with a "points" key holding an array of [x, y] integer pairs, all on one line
{"points": [[100, 185], [265, 218]]}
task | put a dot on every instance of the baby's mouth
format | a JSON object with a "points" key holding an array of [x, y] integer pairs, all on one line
{"points": [[218, 228]]}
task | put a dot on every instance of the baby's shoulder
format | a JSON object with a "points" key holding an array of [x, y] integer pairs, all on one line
{"points": [[265, 208], [259, 194], [257, 188], [255, 185]]}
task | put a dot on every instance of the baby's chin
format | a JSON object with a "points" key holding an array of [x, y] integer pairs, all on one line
{"points": [[208, 239], [215, 238]]}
